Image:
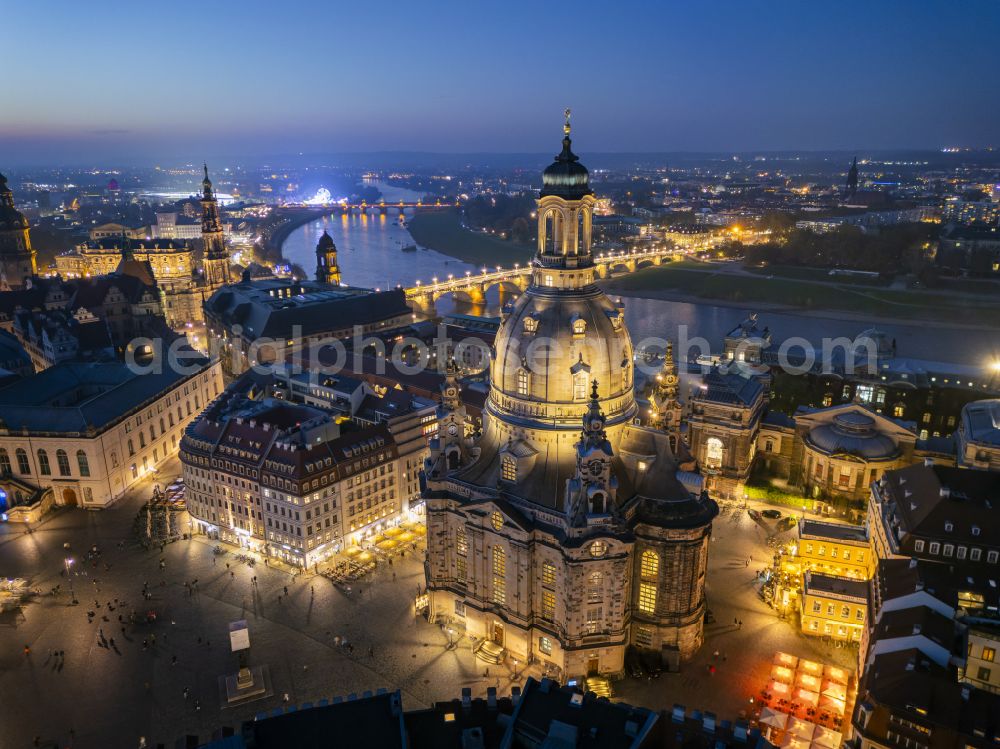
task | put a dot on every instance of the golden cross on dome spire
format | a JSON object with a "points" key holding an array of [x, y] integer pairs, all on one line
{"points": [[566, 113]]}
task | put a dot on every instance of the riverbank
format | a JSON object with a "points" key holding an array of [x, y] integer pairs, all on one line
{"points": [[838, 301], [443, 231], [274, 240]]}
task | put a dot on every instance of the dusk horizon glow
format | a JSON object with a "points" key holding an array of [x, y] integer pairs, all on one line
{"points": [[240, 80]]}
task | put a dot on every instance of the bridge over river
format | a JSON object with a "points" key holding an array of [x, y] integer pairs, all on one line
{"points": [[473, 287]]}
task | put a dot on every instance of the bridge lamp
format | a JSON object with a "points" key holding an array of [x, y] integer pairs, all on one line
{"points": [[418, 283], [451, 276], [434, 279], [499, 269], [468, 273], [484, 271], [516, 266]]}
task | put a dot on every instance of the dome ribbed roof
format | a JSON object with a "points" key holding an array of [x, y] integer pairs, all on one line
{"points": [[325, 241], [566, 177], [853, 433]]}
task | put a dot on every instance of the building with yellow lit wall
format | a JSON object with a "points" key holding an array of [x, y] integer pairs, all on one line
{"points": [[835, 607], [834, 549]]}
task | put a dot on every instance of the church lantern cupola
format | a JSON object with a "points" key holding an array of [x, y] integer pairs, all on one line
{"points": [[327, 268]]}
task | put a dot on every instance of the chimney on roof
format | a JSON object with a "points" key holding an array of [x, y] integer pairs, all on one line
{"points": [[466, 698], [491, 698], [677, 714], [708, 722], [515, 694]]}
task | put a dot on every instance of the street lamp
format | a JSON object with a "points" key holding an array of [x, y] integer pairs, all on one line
{"points": [[69, 575], [514, 676]]}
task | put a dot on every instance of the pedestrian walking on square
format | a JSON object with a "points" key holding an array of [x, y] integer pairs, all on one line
{"points": [[186, 692], [286, 590]]}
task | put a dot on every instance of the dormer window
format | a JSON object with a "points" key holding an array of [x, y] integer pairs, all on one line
{"points": [[975, 530], [949, 527], [530, 324], [579, 326]]}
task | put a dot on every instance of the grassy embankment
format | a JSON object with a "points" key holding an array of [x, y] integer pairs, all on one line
{"points": [[443, 231], [706, 282]]}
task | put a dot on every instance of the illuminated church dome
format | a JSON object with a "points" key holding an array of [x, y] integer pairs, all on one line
{"points": [[563, 498]]}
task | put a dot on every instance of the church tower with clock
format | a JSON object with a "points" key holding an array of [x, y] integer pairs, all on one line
{"points": [[564, 533]]}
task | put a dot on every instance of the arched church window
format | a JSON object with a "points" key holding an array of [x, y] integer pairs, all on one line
{"points": [[713, 452], [597, 503], [63, 461], [530, 324], [499, 575], [508, 468], [23, 466], [580, 386], [650, 564], [4, 461], [43, 463], [579, 326], [496, 519], [522, 382], [595, 587], [82, 463]]}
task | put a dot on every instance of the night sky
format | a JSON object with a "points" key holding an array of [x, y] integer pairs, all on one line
{"points": [[109, 79]]}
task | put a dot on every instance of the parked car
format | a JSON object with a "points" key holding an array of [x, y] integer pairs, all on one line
{"points": [[651, 663], [633, 665], [771, 514]]}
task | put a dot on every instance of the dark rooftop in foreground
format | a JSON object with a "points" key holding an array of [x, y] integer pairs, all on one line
{"points": [[543, 715]]}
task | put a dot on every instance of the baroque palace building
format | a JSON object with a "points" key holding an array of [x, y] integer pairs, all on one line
{"points": [[183, 282], [565, 532]]}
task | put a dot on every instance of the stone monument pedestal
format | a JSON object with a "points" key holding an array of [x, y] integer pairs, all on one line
{"points": [[249, 683]]}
